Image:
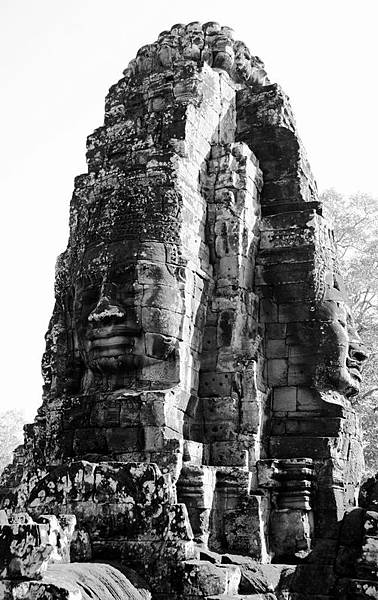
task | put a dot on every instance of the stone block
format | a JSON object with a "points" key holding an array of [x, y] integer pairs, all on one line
{"points": [[276, 348], [209, 361], [277, 372], [285, 399], [276, 331], [230, 453], [293, 312], [160, 346], [161, 373], [267, 473], [89, 441], [296, 446], [196, 485], [299, 374], [209, 342], [228, 266], [291, 532], [122, 439], [284, 273], [212, 557], [244, 528], [195, 452], [237, 559], [268, 311], [221, 418], [302, 423], [169, 459], [287, 293], [157, 320], [308, 399], [130, 410], [153, 438], [255, 581], [215, 384], [202, 579], [278, 427]]}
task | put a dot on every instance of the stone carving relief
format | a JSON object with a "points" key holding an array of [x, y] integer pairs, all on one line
{"points": [[201, 353]]}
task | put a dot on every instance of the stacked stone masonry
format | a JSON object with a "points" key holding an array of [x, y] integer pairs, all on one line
{"points": [[196, 437]]}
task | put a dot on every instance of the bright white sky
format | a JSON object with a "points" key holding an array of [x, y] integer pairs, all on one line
{"points": [[58, 59]]}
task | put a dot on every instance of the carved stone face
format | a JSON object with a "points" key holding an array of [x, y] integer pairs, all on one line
{"points": [[128, 311], [342, 349]]}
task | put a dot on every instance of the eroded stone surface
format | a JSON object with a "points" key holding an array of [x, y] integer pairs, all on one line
{"points": [[201, 354], [74, 582], [27, 547]]}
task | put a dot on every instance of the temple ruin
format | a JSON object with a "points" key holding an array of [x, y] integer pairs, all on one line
{"points": [[196, 437]]}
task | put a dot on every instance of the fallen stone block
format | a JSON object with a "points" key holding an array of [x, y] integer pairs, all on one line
{"points": [[203, 579]]}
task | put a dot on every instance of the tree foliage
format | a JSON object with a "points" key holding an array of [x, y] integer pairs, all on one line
{"points": [[11, 423], [355, 221]]}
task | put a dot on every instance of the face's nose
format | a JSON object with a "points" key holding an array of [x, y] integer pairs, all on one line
{"points": [[105, 311], [357, 351]]}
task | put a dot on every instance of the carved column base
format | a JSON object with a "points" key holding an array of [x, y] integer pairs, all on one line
{"points": [[290, 482], [195, 488]]}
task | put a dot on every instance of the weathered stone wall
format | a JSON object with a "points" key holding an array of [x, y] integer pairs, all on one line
{"points": [[201, 354]]}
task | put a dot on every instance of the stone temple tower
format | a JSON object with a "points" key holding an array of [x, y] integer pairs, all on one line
{"points": [[196, 434]]}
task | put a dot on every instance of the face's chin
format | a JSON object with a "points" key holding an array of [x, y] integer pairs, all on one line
{"points": [[350, 381], [112, 364]]}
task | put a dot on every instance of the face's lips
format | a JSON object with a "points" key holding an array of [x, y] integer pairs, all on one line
{"points": [[111, 341], [355, 374], [111, 347], [111, 331], [354, 369]]}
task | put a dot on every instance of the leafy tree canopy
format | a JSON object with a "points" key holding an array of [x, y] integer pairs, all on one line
{"points": [[11, 423]]}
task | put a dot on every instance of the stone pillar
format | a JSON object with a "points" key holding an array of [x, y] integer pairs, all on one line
{"points": [[195, 488], [290, 482]]}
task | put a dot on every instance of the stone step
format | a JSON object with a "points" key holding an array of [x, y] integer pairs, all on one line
{"points": [[268, 596]]}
